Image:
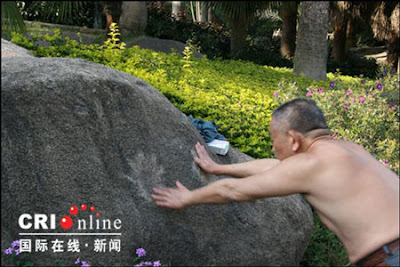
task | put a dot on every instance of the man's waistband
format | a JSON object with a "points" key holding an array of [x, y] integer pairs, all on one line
{"points": [[380, 254]]}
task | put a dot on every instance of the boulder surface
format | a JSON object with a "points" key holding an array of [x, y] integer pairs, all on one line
{"points": [[161, 45], [9, 49], [75, 132]]}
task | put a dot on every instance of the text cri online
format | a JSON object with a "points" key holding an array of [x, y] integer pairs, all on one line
{"points": [[42, 221]]}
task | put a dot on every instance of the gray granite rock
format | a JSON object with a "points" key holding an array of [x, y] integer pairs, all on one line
{"points": [[162, 45], [8, 49], [75, 132]]}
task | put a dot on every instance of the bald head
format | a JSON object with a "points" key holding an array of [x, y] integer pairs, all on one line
{"points": [[299, 114]]}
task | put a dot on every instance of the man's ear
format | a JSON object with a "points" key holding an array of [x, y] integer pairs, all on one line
{"points": [[295, 140]]}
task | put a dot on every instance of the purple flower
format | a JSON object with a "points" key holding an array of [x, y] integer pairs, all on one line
{"points": [[85, 264], [141, 252], [320, 91], [275, 94], [384, 162], [332, 84], [384, 73], [15, 244], [17, 252], [78, 260], [140, 264], [348, 92], [346, 106], [8, 251], [362, 99], [353, 99], [379, 86], [310, 93], [157, 264], [148, 263]]}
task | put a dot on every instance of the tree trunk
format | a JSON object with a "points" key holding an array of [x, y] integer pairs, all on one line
{"points": [[211, 15], [112, 10], [398, 66], [238, 35], [178, 11], [203, 12], [393, 50], [351, 33], [98, 19], [311, 48], [289, 24], [198, 11], [339, 41], [133, 17]]}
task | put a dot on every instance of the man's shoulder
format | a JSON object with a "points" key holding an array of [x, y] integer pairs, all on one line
{"points": [[304, 157], [302, 162]]}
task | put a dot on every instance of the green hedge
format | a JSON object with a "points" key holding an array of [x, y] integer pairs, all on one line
{"points": [[241, 96]]}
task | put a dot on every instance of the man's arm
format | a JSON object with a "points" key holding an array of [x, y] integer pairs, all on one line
{"points": [[243, 169], [291, 176]]}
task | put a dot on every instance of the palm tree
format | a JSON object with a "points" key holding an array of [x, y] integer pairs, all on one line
{"points": [[287, 12], [211, 15], [357, 11], [381, 16], [311, 50], [346, 16], [11, 19], [61, 11], [203, 12], [58, 11], [238, 14], [199, 11]]}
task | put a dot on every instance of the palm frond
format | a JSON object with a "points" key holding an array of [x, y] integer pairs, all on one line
{"points": [[11, 19], [238, 10], [60, 11]]}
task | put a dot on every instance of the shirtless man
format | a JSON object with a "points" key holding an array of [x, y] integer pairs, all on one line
{"points": [[355, 195]]}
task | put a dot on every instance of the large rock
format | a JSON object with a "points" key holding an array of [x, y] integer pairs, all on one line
{"points": [[161, 45], [9, 49], [75, 132]]}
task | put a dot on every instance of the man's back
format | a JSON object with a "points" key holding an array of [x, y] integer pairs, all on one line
{"points": [[355, 196]]}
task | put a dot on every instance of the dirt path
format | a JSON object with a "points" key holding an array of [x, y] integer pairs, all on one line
{"points": [[379, 53]]}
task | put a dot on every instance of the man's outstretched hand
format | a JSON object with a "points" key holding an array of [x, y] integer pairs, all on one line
{"points": [[173, 198], [177, 198], [203, 160]]}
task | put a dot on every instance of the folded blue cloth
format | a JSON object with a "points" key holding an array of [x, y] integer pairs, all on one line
{"points": [[208, 130]]}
